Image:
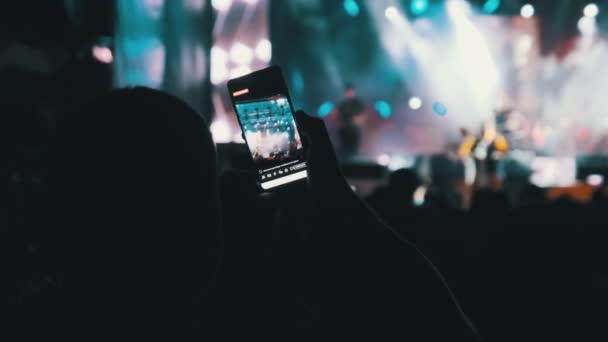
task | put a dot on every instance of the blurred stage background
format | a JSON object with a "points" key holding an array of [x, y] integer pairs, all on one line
{"points": [[424, 68]]}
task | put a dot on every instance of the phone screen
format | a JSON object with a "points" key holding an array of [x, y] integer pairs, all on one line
{"points": [[270, 131]]}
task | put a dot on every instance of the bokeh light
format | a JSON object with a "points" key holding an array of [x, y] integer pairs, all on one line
{"points": [[241, 54], [220, 131], [419, 7], [221, 5], [325, 109], [263, 50], [591, 10], [391, 13], [103, 54], [491, 6], [383, 108], [415, 103], [440, 109], [351, 7], [527, 11]]}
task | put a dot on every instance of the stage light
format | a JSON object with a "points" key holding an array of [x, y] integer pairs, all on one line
{"points": [[391, 13], [102, 54], [458, 9], [595, 180], [325, 108], [440, 109], [490, 6], [471, 52], [419, 196], [398, 163], [418, 7], [219, 65], [297, 81], [384, 159], [263, 51], [587, 25], [351, 7], [251, 2], [383, 109], [415, 103], [221, 5], [220, 131], [241, 54], [239, 71], [527, 11], [591, 10]]}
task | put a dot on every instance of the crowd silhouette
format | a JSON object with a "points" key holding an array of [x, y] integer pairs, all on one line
{"points": [[123, 228]]}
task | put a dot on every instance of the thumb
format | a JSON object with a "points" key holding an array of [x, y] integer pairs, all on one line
{"points": [[321, 157], [314, 131]]}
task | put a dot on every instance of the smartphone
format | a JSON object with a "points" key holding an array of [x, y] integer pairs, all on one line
{"points": [[266, 116]]}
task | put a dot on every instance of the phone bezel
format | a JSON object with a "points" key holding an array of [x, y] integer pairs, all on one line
{"points": [[261, 84]]}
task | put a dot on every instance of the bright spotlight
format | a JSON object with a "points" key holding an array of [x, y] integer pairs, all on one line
{"points": [[398, 163], [239, 71], [383, 109], [263, 51], [221, 5], [384, 159], [241, 54], [591, 10], [419, 196], [595, 180], [458, 9], [325, 109], [490, 6], [351, 7], [250, 2], [415, 103], [102, 54], [527, 11], [219, 65], [391, 13], [220, 131], [440, 109], [418, 7], [587, 25]]}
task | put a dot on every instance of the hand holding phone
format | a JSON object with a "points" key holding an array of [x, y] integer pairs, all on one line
{"points": [[265, 114]]}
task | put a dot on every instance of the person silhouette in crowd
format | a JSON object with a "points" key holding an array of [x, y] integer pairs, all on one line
{"points": [[136, 217], [135, 237]]}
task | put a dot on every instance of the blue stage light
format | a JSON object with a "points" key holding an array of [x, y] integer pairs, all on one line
{"points": [[297, 82], [490, 6], [439, 109], [418, 7], [383, 109], [325, 108], [351, 7]]}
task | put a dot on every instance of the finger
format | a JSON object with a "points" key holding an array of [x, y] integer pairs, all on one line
{"points": [[303, 121], [314, 128]]}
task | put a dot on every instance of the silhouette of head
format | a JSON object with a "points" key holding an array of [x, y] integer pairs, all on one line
{"points": [[349, 91], [404, 181], [135, 187]]}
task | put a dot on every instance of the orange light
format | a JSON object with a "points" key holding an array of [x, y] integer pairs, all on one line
{"points": [[241, 92], [466, 147], [501, 144]]}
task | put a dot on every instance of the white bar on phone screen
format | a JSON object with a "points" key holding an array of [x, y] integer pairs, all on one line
{"points": [[284, 180]]}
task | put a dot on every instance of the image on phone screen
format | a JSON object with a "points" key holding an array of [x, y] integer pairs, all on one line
{"points": [[269, 128]]}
